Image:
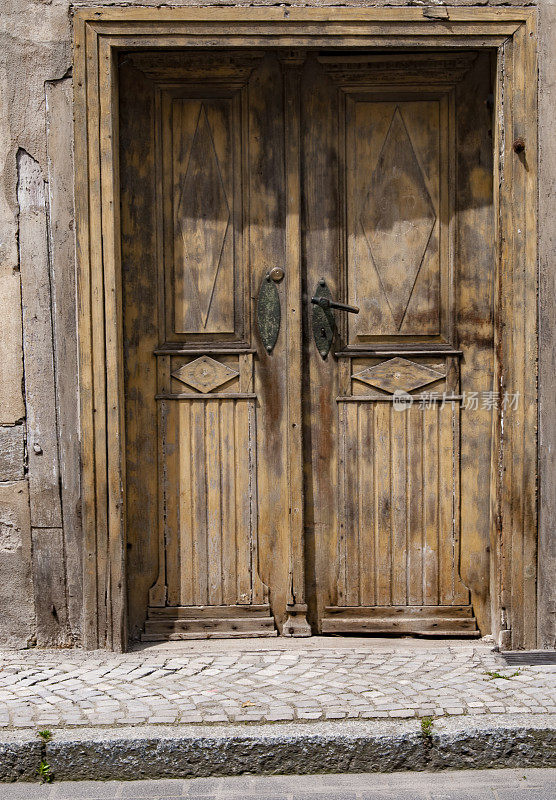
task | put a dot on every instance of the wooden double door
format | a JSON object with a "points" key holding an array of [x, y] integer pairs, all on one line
{"points": [[292, 467]]}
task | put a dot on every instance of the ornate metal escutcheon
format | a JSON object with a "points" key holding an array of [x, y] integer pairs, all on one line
{"points": [[323, 320], [268, 312]]}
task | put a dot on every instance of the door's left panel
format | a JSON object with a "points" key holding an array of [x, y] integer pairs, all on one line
{"points": [[191, 408]]}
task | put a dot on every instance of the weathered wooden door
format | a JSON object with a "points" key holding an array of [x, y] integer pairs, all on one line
{"points": [[203, 220], [383, 188], [270, 480]]}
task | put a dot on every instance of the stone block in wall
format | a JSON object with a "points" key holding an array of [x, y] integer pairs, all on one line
{"points": [[11, 355], [12, 452], [17, 620]]}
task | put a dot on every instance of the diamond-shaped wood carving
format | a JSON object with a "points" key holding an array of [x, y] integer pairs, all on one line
{"points": [[205, 374], [397, 217], [398, 374]]}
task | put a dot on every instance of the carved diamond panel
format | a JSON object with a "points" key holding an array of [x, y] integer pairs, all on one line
{"points": [[397, 217], [205, 374], [398, 374], [203, 216]]}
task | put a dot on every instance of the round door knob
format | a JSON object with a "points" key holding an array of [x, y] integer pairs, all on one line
{"points": [[277, 274]]}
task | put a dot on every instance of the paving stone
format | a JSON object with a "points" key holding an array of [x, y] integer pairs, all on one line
{"points": [[308, 683]]}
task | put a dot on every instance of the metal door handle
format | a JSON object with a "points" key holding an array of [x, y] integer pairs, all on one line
{"points": [[326, 302], [324, 325]]}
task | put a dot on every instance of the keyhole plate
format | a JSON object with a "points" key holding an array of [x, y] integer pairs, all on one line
{"points": [[268, 313], [323, 321]]}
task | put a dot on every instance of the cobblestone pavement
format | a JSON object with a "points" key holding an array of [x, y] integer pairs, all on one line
{"points": [[503, 784], [231, 683]]}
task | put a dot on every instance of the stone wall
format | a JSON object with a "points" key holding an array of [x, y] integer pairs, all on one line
{"points": [[40, 540]]}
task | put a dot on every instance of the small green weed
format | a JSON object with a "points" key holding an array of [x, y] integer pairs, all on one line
{"points": [[493, 675], [426, 726], [44, 773], [45, 735]]}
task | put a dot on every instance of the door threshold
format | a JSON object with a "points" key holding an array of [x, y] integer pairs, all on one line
{"points": [[443, 620], [179, 623], [385, 644]]}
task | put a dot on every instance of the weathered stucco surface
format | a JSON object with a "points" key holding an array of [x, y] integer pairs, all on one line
{"points": [[40, 540]]}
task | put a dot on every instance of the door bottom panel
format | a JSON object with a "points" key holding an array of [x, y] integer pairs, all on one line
{"points": [[422, 620], [208, 622]]}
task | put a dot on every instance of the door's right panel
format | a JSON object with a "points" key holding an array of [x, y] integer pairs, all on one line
{"points": [[393, 543]]}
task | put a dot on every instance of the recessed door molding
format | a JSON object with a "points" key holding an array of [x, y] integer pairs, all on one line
{"points": [[100, 34]]}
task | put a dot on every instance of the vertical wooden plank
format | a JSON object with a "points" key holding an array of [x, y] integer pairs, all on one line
{"points": [[158, 592], [529, 487], [40, 392], [98, 341], [214, 509], [229, 502], [398, 424], [244, 500], [519, 369], [446, 502], [49, 587], [242, 221], [181, 117], [415, 506], [517, 343], [170, 510], [40, 402], [144, 373], [259, 591], [352, 489], [297, 624], [59, 149], [366, 477], [344, 376], [84, 299], [113, 335], [187, 591], [546, 608], [199, 502], [169, 248], [461, 591], [431, 482], [246, 373], [521, 364], [498, 585], [383, 503], [322, 245], [341, 554], [266, 209]]}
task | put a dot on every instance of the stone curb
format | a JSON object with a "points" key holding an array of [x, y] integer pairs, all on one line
{"points": [[211, 751]]}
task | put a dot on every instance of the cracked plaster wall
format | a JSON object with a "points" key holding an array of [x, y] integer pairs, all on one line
{"points": [[40, 539]]}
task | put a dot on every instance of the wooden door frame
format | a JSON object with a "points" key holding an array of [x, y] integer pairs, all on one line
{"points": [[99, 34]]}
